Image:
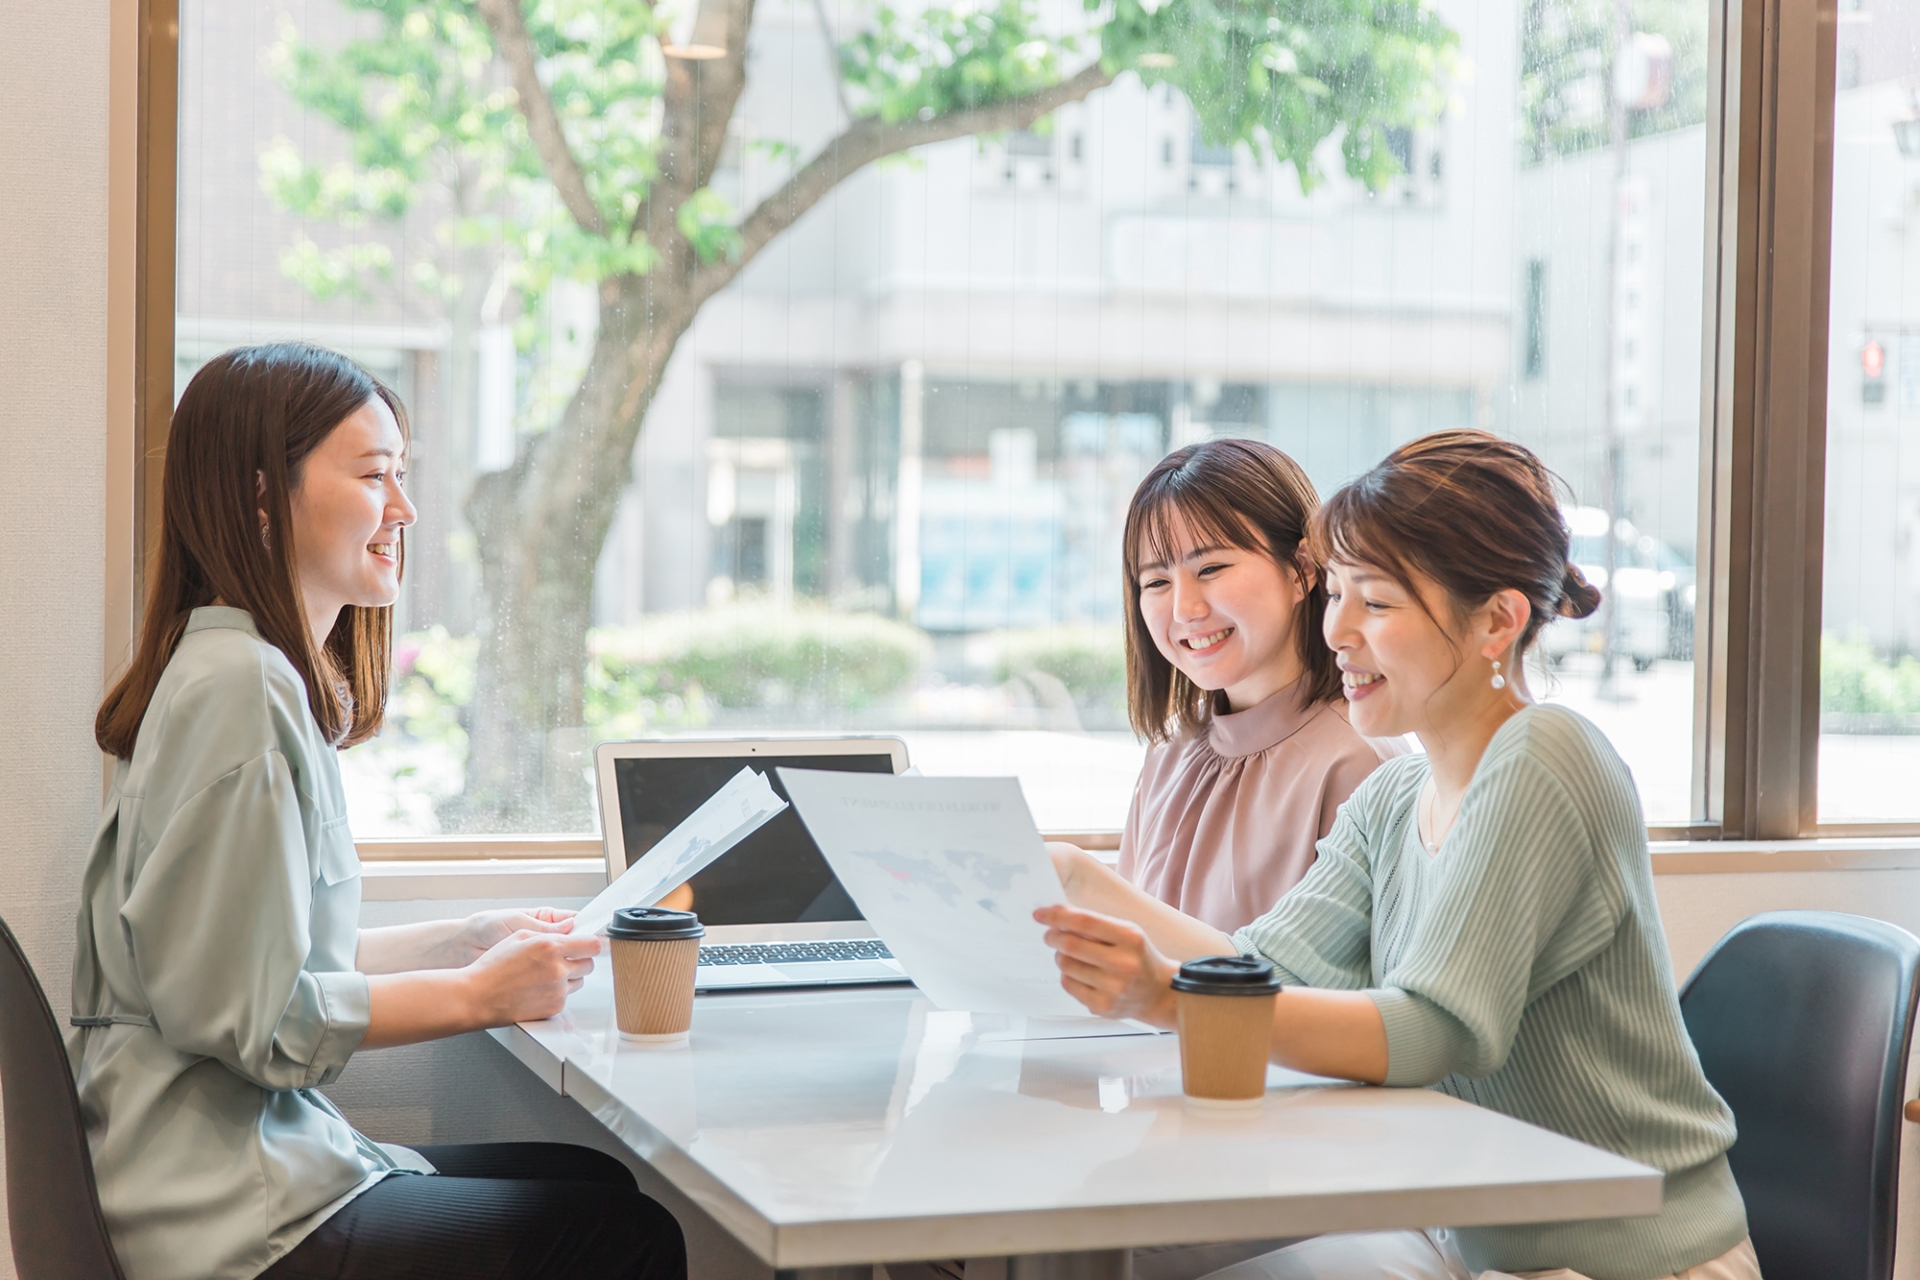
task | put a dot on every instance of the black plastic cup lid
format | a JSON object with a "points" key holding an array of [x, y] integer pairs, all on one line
{"points": [[654, 924], [1228, 976]]}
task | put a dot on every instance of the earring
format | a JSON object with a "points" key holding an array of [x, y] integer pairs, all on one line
{"points": [[267, 542], [1499, 681]]}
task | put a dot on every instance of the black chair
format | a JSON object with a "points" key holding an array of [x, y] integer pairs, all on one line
{"points": [[1801, 1019], [52, 1205]]}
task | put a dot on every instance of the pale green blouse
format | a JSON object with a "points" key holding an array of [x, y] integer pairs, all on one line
{"points": [[213, 984]]}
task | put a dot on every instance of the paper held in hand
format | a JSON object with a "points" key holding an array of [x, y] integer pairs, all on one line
{"points": [[734, 812], [949, 871]]}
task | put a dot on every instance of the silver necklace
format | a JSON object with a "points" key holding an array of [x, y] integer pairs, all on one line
{"points": [[1432, 798]]}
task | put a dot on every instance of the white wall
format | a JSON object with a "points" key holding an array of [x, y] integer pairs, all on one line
{"points": [[53, 331]]}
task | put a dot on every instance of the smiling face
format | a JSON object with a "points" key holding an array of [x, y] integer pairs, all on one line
{"points": [[348, 510], [1224, 616], [1402, 669]]}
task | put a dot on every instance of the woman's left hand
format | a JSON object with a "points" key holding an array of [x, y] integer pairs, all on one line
{"points": [[481, 932], [1109, 965]]}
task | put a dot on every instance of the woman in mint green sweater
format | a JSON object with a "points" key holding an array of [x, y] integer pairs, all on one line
{"points": [[1481, 919]]}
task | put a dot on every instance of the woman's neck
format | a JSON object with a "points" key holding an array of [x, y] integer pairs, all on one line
{"points": [[1454, 748], [1264, 683]]}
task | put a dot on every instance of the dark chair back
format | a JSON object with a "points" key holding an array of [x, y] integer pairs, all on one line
{"points": [[1801, 1020], [52, 1206]]}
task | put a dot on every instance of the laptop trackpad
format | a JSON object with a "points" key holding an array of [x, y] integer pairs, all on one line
{"points": [[841, 971]]}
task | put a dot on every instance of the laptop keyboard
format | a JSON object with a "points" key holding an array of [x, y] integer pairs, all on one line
{"points": [[793, 952]]}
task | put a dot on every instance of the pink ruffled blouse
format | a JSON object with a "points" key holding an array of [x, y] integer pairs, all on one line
{"points": [[1224, 821]]}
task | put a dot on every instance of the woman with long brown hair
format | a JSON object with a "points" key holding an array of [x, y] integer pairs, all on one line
{"points": [[221, 975], [1250, 751], [1482, 917]]}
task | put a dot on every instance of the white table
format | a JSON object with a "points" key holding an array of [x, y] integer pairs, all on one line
{"points": [[831, 1129]]}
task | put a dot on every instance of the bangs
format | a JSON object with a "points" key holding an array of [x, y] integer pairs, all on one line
{"points": [[1174, 507], [1353, 528]]}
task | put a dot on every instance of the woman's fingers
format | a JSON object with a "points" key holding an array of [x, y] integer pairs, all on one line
{"points": [[1088, 924], [1107, 964]]}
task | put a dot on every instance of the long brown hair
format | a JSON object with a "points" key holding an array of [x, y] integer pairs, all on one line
{"points": [[1237, 493], [1470, 511], [240, 433]]}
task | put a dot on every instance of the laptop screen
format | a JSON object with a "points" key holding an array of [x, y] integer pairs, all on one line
{"points": [[774, 876]]}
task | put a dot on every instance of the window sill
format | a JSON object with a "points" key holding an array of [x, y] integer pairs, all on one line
{"points": [[527, 877], [523, 879]]}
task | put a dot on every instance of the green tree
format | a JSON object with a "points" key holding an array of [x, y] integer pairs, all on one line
{"points": [[551, 138]]}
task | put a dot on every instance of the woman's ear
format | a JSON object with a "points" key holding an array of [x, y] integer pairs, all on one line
{"points": [[1309, 576], [1504, 619]]}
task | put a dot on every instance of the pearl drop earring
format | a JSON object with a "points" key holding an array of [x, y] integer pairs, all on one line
{"points": [[1499, 681]]}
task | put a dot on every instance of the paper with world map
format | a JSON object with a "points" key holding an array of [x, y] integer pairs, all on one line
{"points": [[729, 816], [949, 872]]}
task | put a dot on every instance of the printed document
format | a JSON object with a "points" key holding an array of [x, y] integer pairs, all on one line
{"points": [[949, 871], [734, 812]]}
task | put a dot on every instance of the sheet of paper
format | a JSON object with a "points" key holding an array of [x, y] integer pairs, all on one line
{"points": [[733, 813], [949, 872]]}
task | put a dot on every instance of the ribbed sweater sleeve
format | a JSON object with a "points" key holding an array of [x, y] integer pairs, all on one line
{"points": [[1320, 934], [1518, 901]]}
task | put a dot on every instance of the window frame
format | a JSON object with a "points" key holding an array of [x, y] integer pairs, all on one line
{"points": [[1767, 233]]}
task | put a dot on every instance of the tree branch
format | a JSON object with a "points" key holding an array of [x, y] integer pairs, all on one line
{"points": [[867, 140], [515, 47]]}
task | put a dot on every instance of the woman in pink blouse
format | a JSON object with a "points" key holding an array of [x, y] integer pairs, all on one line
{"points": [[1229, 681]]}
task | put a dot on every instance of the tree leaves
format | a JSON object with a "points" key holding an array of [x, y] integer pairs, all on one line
{"points": [[948, 58], [1283, 76]]}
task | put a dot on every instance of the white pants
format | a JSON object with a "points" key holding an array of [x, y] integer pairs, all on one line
{"points": [[1428, 1255]]}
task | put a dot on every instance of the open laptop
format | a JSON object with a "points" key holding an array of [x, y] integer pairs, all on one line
{"points": [[775, 914]]}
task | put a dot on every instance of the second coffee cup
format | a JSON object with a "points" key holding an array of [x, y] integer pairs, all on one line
{"points": [[655, 955], [1225, 1011]]}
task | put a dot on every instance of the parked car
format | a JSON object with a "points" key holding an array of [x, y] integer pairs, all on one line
{"points": [[1652, 589]]}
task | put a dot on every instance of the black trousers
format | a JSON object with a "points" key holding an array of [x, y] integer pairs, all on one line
{"points": [[501, 1211]]}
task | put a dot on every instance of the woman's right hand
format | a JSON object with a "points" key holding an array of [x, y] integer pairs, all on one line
{"points": [[1110, 966], [528, 976]]}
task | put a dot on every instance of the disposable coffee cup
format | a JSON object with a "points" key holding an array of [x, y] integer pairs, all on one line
{"points": [[1225, 1010], [655, 955]]}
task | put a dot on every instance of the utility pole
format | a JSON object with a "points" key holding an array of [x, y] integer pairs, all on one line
{"points": [[1641, 80]]}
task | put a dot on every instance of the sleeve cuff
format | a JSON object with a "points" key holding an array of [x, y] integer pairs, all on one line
{"points": [[347, 1001], [1424, 1044]]}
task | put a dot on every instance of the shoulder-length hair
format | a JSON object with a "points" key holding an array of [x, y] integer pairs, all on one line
{"points": [[1238, 493], [239, 435]]}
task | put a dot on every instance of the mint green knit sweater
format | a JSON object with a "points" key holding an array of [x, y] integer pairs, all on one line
{"points": [[1523, 968]]}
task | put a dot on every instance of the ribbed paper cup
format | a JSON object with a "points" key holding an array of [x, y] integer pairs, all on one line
{"points": [[655, 955], [1225, 1010]]}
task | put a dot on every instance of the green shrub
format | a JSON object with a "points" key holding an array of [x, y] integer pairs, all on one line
{"points": [[1089, 660], [746, 656], [1855, 680], [674, 671], [432, 683]]}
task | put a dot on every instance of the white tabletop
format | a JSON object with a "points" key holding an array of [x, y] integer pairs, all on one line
{"points": [[862, 1125]]}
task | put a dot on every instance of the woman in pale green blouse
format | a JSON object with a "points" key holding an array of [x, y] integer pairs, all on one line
{"points": [[1481, 919], [221, 976]]}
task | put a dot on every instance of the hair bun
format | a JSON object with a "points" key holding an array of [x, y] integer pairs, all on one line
{"points": [[1578, 597]]}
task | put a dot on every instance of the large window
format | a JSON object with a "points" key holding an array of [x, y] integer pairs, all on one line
{"points": [[1870, 626], [860, 461]]}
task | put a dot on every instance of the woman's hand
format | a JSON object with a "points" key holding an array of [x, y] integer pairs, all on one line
{"points": [[484, 930], [1109, 965], [528, 974], [450, 944]]}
